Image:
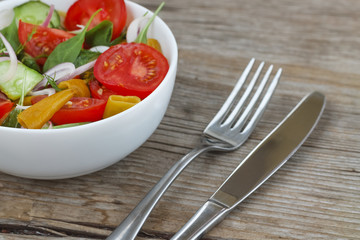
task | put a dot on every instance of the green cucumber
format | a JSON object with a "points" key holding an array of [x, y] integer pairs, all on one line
{"points": [[35, 12], [14, 87]]}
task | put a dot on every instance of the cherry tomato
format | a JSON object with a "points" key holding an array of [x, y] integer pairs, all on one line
{"points": [[78, 109], [99, 91], [112, 10], [131, 69], [5, 107], [43, 40]]}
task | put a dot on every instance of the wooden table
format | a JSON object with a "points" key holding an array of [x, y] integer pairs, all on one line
{"points": [[315, 195]]}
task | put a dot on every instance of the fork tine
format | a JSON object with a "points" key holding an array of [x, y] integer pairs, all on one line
{"points": [[231, 118], [242, 120], [262, 106], [219, 117]]}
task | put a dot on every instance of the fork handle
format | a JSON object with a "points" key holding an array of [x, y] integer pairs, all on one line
{"points": [[209, 215], [131, 225]]}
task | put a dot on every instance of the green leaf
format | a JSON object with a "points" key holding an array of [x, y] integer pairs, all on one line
{"points": [[69, 50], [119, 39], [86, 56], [29, 61], [11, 120], [52, 83], [100, 35], [142, 37], [11, 34]]}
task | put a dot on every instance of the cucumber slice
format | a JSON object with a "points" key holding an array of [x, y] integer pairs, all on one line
{"points": [[14, 87], [35, 12]]}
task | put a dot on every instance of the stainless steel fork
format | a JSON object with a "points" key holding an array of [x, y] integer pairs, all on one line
{"points": [[227, 131]]}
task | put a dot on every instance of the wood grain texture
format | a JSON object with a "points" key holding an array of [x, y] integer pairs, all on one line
{"points": [[315, 195]]}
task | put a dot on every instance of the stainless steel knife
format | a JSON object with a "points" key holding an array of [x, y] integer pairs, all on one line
{"points": [[258, 166]]}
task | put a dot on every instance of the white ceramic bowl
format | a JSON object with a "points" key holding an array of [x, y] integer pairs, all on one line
{"points": [[71, 152]]}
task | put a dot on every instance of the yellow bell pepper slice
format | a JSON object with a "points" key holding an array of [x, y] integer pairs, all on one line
{"points": [[41, 112], [78, 85], [118, 103]]}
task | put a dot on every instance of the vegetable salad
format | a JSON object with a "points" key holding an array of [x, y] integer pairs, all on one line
{"points": [[66, 69]]}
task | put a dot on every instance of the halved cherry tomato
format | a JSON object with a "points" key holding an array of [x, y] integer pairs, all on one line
{"points": [[99, 91], [78, 109], [131, 69], [112, 10], [43, 40], [5, 107]]}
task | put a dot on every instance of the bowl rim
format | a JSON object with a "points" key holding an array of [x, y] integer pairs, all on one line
{"points": [[173, 61]]}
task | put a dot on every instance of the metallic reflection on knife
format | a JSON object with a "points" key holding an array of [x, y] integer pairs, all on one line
{"points": [[257, 167]]}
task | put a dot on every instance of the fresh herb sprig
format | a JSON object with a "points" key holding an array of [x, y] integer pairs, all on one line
{"points": [[51, 81]]}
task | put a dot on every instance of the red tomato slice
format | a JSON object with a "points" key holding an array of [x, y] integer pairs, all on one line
{"points": [[112, 10], [131, 69], [5, 107], [99, 91], [43, 41], [78, 109], [81, 109]]}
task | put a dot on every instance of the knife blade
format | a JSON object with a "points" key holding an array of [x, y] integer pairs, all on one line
{"points": [[267, 157]]}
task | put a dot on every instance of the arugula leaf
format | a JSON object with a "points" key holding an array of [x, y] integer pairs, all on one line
{"points": [[11, 34], [142, 38], [52, 83], [68, 50], [100, 35]]}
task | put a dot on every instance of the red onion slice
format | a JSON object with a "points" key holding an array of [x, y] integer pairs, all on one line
{"points": [[62, 70], [6, 16], [10, 74], [3, 96], [4, 59], [77, 72], [135, 28], [99, 49], [82, 69], [46, 91], [20, 107], [77, 31], [49, 16]]}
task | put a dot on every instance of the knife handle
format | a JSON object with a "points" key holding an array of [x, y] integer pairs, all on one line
{"points": [[209, 215]]}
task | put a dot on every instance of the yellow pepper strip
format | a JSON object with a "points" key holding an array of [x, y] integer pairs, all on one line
{"points": [[154, 43], [118, 103], [41, 112], [78, 85]]}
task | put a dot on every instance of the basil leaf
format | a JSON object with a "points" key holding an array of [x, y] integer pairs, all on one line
{"points": [[11, 34], [68, 50], [100, 35]]}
